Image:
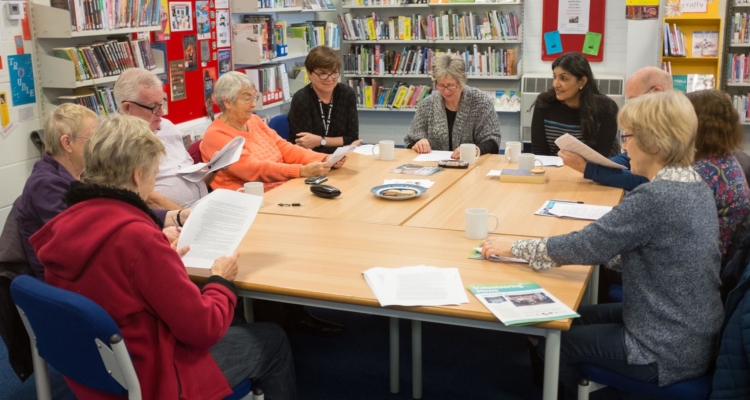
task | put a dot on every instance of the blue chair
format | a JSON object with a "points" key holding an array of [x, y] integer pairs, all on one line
{"points": [[599, 378], [615, 293], [80, 340], [280, 124]]}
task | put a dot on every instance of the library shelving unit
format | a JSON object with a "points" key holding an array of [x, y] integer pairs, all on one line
{"points": [[250, 56], [736, 55], [56, 76], [688, 23], [482, 82]]}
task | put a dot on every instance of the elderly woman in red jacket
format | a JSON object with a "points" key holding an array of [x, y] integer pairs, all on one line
{"points": [[109, 247]]}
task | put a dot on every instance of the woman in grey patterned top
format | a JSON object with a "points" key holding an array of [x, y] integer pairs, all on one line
{"points": [[662, 237], [460, 114]]}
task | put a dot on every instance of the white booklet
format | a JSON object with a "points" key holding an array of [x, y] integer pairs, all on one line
{"points": [[340, 153], [416, 286], [216, 226], [570, 143], [225, 157], [521, 303], [574, 210], [434, 156]]}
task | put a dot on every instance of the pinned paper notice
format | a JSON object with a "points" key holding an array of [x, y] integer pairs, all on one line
{"points": [[591, 43], [552, 42]]}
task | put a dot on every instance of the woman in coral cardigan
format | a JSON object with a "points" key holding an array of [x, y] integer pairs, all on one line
{"points": [[266, 157]]}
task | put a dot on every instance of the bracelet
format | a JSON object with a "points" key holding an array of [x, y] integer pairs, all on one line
{"points": [[179, 222]]}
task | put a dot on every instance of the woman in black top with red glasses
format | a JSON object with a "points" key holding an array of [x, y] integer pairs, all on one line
{"points": [[323, 114]]}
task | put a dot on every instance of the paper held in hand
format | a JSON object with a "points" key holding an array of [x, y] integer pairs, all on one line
{"points": [[521, 303], [570, 143], [216, 226], [225, 157], [552, 208], [416, 286], [339, 154], [476, 254]]}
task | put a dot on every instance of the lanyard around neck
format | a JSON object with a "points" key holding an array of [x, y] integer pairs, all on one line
{"points": [[326, 122]]}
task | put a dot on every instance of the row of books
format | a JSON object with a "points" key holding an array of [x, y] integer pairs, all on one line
{"points": [[491, 25], [416, 60], [738, 70], [674, 41], [316, 33], [740, 103], [397, 2], [270, 80], [741, 28], [371, 94], [87, 15], [319, 5], [101, 101], [104, 59]]}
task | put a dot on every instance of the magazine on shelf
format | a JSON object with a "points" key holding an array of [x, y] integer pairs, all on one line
{"points": [[705, 44], [521, 303]]}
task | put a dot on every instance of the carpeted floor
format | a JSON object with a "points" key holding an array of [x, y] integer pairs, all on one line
{"points": [[458, 363]]}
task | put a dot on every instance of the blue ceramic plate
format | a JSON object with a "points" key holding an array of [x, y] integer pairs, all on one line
{"points": [[398, 191]]}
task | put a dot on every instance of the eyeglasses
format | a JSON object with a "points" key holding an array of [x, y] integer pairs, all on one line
{"points": [[451, 86], [625, 137], [324, 77], [155, 109], [252, 98]]}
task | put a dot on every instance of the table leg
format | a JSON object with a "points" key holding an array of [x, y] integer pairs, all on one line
{"points": [[416, 359], [594, 285], [551, 365], [394, 354], [248, 304]]}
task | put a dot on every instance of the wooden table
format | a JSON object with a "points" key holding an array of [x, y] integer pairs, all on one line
{"points": [[323, 268], [514, 204], [355, 179]]}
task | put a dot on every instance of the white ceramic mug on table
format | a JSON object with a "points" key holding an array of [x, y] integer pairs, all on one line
{"points": [[513, 150], [527, 162], [477, 223], [254, 188], [385, 150], [469, 153]]}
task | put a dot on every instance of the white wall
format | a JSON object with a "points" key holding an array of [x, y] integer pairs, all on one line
{"points": [[17, 153]]}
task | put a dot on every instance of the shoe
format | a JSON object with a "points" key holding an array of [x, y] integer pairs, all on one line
{"points": [[314, 326]]}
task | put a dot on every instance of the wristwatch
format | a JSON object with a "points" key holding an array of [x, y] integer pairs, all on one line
{"points": [[323, 141]]}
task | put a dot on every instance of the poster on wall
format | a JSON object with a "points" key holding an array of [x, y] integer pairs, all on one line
{"points": [[225, 61], [201, 18], [222, 3], [205, 53], [573, 16], [180, 16], [4, 114], [209, 78], [190, 52], [163, 48], [641, 12], [177, 80], [222, 28], [163, 34], [21, 79]]}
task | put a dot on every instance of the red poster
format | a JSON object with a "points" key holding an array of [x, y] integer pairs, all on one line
{"points": [[25, 23]]}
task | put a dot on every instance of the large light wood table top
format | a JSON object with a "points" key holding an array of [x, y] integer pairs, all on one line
{"points": [[324, 259], [514, 204], [359, 174]]}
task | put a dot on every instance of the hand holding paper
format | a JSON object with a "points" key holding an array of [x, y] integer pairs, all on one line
{"points": [[223, 158], [339, 154], [570, 143]]}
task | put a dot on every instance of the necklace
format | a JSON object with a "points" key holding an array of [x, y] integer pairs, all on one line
{"points": [[242, 128]]}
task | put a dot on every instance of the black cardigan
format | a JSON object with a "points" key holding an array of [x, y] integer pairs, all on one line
{"points": [[304, 116]]}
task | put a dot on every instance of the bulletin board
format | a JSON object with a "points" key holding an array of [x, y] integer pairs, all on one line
{"points": [[573, 43], [193, 105]]}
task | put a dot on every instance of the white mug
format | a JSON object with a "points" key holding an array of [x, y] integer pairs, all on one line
{"points": [[385, 150], [527, 162], [513, 150], [254, 188], [469, 153], [477, 223]]}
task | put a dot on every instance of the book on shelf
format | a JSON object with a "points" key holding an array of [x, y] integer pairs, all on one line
{"points": [[105, 59], [505, 100], [99, 100], [110, 14], [371, 93], [674, 41], [270, 81], [740, 103], [446, 25], [267, 37], [277, 4], [737, 68], [316, 33], [705, 44], [693, 82], [417, 60], [740, 28]]}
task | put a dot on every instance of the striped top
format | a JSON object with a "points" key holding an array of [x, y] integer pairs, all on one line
{"points": [[556, 119]]}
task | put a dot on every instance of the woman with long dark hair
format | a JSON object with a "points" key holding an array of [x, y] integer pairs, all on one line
{"points": [[574, 105]]}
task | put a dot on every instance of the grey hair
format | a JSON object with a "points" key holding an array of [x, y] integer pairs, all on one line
{"points": [[228, 85], [449, 65], [128, 85]]}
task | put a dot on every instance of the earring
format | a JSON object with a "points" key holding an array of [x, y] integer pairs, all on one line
{"points": [[580, 88]]}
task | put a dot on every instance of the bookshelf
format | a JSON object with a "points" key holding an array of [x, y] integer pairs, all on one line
{"points": [[685, 65], [484, 81], [735, 57], [53, 28]]}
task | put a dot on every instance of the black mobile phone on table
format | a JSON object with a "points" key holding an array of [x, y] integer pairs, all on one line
{"points": [[316, 180], [453, 164]]}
